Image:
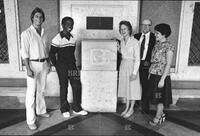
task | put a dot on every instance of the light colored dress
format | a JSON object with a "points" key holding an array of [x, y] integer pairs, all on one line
{"points": [[130, 63]]}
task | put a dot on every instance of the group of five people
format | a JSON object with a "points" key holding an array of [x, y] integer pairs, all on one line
{"points": [[146, 61]]}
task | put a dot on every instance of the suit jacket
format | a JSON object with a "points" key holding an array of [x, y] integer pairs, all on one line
{"points": [[152, 41]]}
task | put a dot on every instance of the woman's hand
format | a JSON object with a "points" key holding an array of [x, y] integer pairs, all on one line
{"points": [[118, 47], [132, 77], [149, 76], [161, 83]]}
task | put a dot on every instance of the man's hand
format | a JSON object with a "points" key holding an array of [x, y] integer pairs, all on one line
{"points": [[78, 67], [49, 65], [30, 73]]}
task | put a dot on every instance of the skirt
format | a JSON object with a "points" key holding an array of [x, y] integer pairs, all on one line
{"points": [[130, 90], [160, 95]]}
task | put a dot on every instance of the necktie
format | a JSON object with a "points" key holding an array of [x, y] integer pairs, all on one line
{"points": [[142, 46]]}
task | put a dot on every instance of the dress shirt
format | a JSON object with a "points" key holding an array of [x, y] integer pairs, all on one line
{"points": [[131, 50], [147, 36], [34, 46]]}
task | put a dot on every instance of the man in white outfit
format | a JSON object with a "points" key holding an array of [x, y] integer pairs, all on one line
{"points": [[34, 52]]}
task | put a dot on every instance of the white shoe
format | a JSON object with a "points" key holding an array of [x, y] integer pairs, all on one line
{"points": [[66, 114], [32, 126], [82, 112], [45, 115]]}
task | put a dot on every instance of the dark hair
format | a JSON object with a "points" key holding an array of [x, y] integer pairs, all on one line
{"points": [[164, 29], [37, 10], [65, 19], [128, 24]]}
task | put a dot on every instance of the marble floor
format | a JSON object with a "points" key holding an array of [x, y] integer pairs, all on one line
{"points": [[183, 119]]}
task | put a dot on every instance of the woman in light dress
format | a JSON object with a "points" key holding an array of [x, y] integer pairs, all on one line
{"points": [[129, 82]]}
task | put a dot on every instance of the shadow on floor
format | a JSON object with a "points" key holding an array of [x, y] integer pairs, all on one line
{"points": [[189, 119], [98, 124], [10, 117]]}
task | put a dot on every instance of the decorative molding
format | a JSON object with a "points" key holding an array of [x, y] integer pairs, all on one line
{"points": [[13, 82]]}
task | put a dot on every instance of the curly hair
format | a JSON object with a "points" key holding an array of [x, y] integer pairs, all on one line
{"points": [[164, 29], [128, 24], [65, 19]]}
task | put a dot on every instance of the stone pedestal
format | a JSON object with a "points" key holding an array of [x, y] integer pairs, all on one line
{"points": [[99, 55], [99, 91], [99, 75]]}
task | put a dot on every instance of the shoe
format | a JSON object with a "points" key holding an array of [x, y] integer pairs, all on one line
{"points": [[66, 114], [45, 115], [32, 126], [82, 112], [157, 121], [123, 113], [128, 114]]}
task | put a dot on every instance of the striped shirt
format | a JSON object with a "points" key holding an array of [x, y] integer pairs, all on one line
{"points": [[64, 49]]}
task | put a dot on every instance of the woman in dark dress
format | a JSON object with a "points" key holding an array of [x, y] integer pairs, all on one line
{"points": [[159, 77]]}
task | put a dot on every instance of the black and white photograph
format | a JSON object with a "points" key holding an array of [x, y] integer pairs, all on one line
{"points": [[100, 67]]}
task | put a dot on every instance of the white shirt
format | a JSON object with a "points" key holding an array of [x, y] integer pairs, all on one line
{"points": [[34, 46], [131, 50], [147, 36]]}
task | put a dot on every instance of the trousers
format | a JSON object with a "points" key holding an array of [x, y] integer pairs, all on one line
{"points": [[145, 91], [35, 102], [66, 74]]}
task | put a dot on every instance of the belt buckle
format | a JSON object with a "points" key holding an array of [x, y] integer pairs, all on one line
{"points": [[146, 63], [41, 60]]}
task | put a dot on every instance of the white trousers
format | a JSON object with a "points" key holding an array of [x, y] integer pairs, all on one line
{"points": [[35, 101]]}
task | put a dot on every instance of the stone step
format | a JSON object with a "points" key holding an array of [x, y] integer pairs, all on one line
{"points": [[185, 84], [20, 92], [184, 93], [176, 84], [13, 82]]}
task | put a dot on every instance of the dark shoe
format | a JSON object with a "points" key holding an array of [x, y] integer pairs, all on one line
{"points": [[157, 121]]}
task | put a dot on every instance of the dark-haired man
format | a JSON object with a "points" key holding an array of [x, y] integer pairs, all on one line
{"points": [[63, 58], [34, 52]]}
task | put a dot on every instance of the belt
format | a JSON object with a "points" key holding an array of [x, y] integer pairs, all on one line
{"points": [[145, 64], [39, 60]]}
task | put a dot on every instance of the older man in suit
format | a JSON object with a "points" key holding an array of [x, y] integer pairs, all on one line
{"points": [[147, 42]]}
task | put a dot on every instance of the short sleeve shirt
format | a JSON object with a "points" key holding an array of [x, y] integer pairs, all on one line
{"points": [[159, 57]]}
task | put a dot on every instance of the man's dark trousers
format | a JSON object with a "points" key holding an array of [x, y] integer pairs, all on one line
{"points": [[144, 72], [65, 74]]}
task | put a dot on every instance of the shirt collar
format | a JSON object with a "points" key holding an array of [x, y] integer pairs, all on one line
{"points": [[33, 28], [64, 36], [147, 34]]}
